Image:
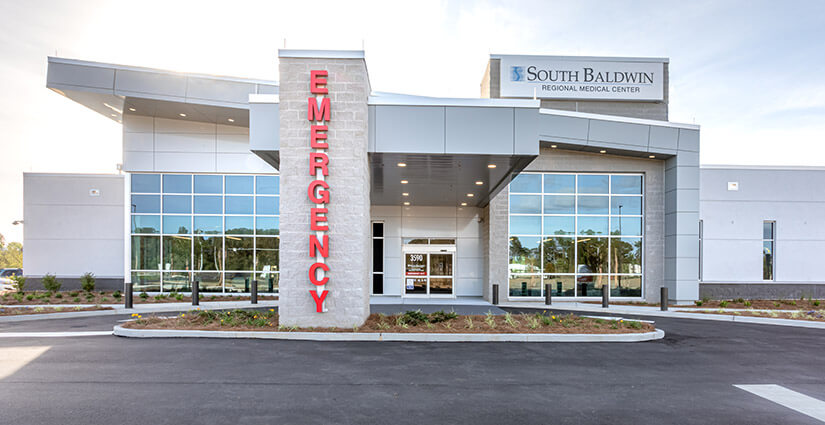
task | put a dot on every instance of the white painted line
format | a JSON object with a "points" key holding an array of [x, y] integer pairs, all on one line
{"points": [[791, 399], [51, 334]]}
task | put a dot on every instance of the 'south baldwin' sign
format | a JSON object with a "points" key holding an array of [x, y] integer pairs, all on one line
{"points": [[557, 77]]}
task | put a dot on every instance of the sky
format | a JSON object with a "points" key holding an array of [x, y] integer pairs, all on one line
{"points": [[749, 72]]}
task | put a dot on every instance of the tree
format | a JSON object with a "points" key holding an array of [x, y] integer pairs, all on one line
{"points": [[11, 255]]}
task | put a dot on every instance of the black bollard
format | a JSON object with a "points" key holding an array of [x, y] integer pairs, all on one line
{"points": [[495, 294], [127, 294], [663, 301], [254, 293], [196, 293], [605, 295], [548, 297]]}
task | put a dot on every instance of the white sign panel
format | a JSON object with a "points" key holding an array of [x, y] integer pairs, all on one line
{"points": [[561, 78]]}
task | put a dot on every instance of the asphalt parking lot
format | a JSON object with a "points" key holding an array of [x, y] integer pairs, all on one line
{"points": [[686, 378]]}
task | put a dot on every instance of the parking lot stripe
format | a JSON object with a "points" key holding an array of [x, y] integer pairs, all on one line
{"points": [[791, 399], [51, 334]]}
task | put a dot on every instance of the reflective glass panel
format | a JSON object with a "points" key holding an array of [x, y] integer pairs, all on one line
{"points": [[208, 252], [526, 183], [239, 253], [592, 255], [145, 203], [177, 282], [209, 225], [266, 185], [238, 282], [626, 255], [441, 264], [626, 185], [559, 225], [239, 185], [177, 183], [767, 230], [177, 252], [267, 282], [239, 225], [627, 226], [524, 254], [593, 225], [179, 224], [145, 183], [146, 281], [593, 183], [559, 255], [266, 253], [593, 205], [266, 225], [590, 285], [209, 184], [239, 205], [561, 286], [208, 205], [525, 204], [177, 204], [525, 285], [626, 205], [767, 260], [525, 225], [559, 204], [559, 183], [441, 285], [145, 224], [210, 281], [145, 252], [626, 286], [266, 205]]}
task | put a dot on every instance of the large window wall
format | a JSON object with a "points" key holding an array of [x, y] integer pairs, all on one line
{"points": [[576, 232], [222, 230]]}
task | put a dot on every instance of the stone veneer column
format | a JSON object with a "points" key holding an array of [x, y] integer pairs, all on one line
{"points": [[347, 303]]}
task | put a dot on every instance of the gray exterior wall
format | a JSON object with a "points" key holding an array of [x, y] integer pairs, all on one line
{"points": [[491, 87], [67, 232], [732, 239]]}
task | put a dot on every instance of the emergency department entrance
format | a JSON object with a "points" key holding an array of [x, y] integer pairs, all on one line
{"points": [[429, 266]]}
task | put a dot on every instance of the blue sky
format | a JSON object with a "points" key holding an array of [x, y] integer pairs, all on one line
{"points": [[749, 72]]}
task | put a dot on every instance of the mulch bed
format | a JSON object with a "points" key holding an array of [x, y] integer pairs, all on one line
{"points": [[811, 315], [18, 311], [410, 322], [108, 297], [804, 305]]}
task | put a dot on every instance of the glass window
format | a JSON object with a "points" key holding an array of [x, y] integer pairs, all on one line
{"points": [[590, 285], [239, 185], [559, 255], [627, 185], [179, 224], [626, 255], [559, 204], [525, 285], [266, 226], [239, 205], [268, 281], [145, 183], [239, 253], [561, 285], [266, 185], [208, 252], [266, 254], [145, 224], [146, 281], [238, 282], [208, 205], [239, 225], [176, 281], [526, 183], [592, 225], [626, 205], [559, 225], [592, 255], [524, 254], [145, 252], [177, 204], [210, 281], [626, 286], [177, 252], [559, 183], [441, 265], [525, 225], [593, 183], [177, 183], [208, 225], [767, 230], [145, 203], [525, 204], [209, 184], [627, 226], [266, 205], [768, 249], [593, 204]]}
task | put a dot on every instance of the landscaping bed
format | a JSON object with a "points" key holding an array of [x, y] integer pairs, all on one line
{"points": [[17, 311], [801, 304], [409, 322], [811, 315], [110, 297]]}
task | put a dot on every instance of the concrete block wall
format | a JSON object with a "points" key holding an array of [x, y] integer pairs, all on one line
{"points": [[460, 223], [349, 210], [498, 245]]}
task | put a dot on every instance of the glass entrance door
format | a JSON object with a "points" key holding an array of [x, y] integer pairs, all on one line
{"points": [[428, 273]]}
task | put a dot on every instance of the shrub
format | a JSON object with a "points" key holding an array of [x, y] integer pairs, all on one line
{"points": [[816, 303], [19, 283], [698, 303], [441, 316], [740, 300], [50, 283], [73, 294], [723, 304], [144, 296], [87, 282], [413, 318], [705, 299], [748, 303], [30, 297], [116, 294], [76, 299], [58, 295], [179, 297]]}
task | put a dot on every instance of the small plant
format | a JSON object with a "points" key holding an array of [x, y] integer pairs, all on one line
{"points": [[30, 297], [748, 304], [635, 325], [87, 282], [740, 300], [104, 299], [508, 318], [58, 295], [815, 303], [19, 283], [490, 320], [383, 325], [73, 294], [469, 321], [776, 304], [792, 303], [76, 299], [698, 303], [441, 316], [705, 300], [414, 318], [179, 297], [159, 297], [546, 320], [50, 283], [117, 295], [723, 304], [532, 321], [143, 296]]}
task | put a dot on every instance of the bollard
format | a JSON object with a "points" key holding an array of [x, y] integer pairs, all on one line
{"points": [[253, 295], [548, 297], [605, 295], [196, 292], [495, 294], [663, 301], [127, 292]]}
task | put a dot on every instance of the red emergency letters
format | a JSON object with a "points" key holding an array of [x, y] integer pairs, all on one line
{"points": [[318, 191]]}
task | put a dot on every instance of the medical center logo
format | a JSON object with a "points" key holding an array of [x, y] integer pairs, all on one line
{"points": [[516, 73]]}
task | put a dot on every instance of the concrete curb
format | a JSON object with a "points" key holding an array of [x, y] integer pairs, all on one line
{"points": [[381, 337], [118, 309]]}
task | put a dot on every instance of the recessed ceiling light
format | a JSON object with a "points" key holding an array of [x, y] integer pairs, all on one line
{"points": [[479, 183], [553, 146], [404, 181], [401, 164], [470, 195], [230, 120], [463, 204], [491, 165], [652, 156], [405, 194], [114, 115], [183, 115], [132, 109], [602, 151], [406, 203]]}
